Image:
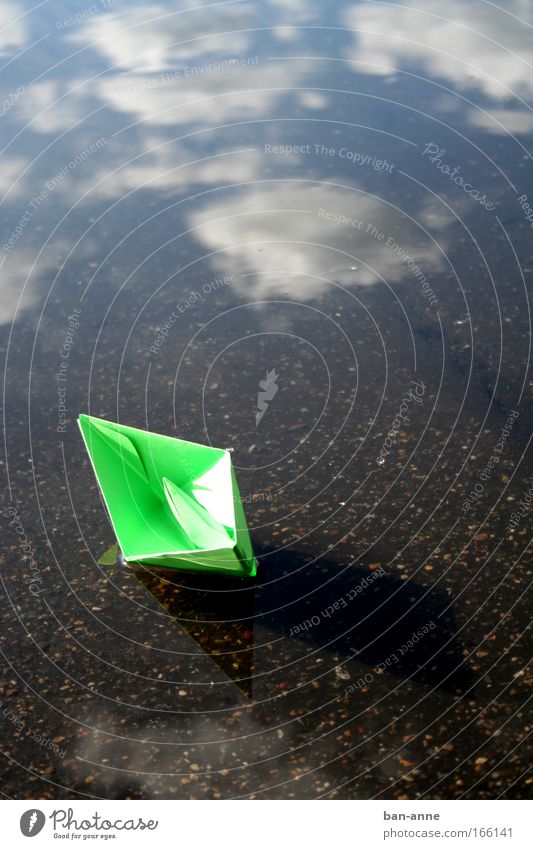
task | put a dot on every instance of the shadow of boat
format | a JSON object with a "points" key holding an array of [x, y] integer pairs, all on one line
{"points": [[400, 628]]}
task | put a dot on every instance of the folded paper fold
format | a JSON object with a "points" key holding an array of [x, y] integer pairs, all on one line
{"points": [[171, 502]]}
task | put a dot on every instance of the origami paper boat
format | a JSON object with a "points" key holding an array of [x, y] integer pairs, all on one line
{"points": [[172, 503]]}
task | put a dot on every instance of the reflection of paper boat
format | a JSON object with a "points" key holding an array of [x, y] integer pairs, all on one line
{"points": [[172, 503], [219, 620]]}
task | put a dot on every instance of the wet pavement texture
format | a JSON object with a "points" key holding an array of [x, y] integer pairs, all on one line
{"points": [[338, 196]]}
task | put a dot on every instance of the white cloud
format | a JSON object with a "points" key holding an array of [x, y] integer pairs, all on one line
{"points": [[12, 31], [277, 234], [501, 120], [17, 289], [152, 39], [12, 166], [209, 97], [468, 50], [159, 168]]}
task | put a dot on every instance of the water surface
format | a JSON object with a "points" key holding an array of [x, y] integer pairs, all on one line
{"points": [[337, 196]]}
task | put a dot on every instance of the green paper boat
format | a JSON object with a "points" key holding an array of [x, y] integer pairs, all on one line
{"points": [[172, 503]]}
